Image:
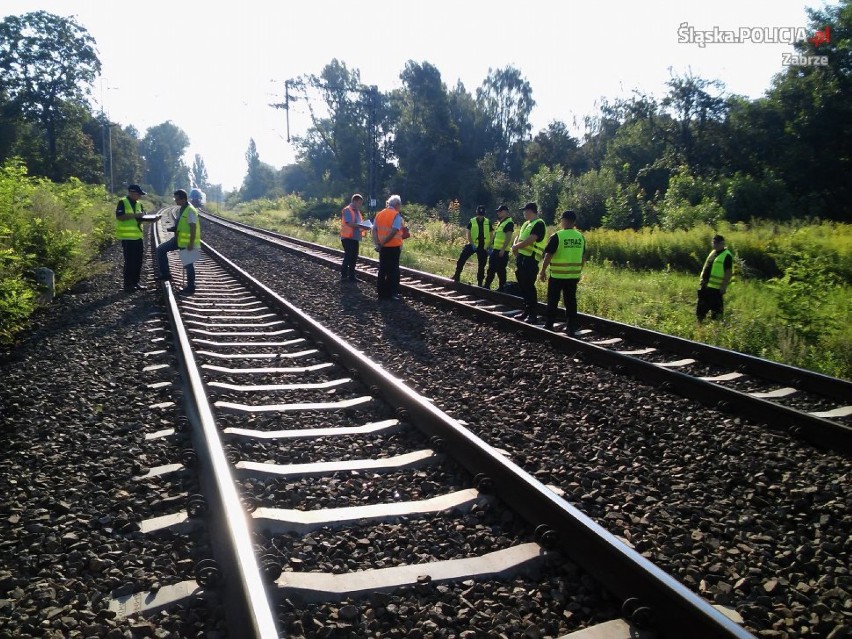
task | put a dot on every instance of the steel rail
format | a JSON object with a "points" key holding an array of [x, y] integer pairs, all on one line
{"points": [[247, 606], [622, 571], [818, 431], [811, 381]]}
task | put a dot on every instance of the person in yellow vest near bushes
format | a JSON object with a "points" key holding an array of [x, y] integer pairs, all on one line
{"points": [[350, 236], [501, 241], [478, 239], [565, 254], [187, 235], [527, 251], [128, 229], [387, 236], [717, 272]]}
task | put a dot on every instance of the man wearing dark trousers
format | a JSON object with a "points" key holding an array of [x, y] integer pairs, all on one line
{"points": [[501, 241], [128, 229], [350, 236], [717, 272], [478, 238], [565, 253], [527, 251], [387, 236]]}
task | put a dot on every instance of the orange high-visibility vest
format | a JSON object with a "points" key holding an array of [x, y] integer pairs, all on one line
{"points": [[347, 232], [384, 226]]}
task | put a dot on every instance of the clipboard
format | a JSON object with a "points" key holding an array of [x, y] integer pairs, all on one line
{"points": [[188, 257], [150, 217], [366, 225]]}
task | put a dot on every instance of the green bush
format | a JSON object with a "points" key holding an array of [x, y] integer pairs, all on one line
{"points": [[59, 226]]}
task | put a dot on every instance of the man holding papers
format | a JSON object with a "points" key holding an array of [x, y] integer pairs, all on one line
{"points": [[187, 238]]}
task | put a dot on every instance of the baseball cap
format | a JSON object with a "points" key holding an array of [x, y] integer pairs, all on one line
{"points": [[480, 210], [569, 215], [135, 188], [502, 207], [530, 206]]}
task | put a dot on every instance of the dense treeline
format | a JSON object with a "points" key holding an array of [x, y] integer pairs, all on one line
{"points": [[696, 156], [48, 66]]}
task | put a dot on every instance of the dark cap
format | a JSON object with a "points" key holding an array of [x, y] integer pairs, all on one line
{"points": [[569, 215], [718, 239], [480, 210], [530, 206], [135, 188], [502, 207]]}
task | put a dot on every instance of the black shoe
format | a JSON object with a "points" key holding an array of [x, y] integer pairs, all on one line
{"points": [[396, 298], [187, 290], [129, 289], [456, 278], [523, 316], [532, 319], [355, 279], [139, 287], [548, 326]]}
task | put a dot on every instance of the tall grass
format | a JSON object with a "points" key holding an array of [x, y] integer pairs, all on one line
{"points": [[649, 278]]}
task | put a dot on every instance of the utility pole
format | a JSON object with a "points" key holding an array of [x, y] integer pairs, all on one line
{"points": [[373, 126], [371, 96]]}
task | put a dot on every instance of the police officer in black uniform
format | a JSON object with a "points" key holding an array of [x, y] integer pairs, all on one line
{"points": [[528, 251]]}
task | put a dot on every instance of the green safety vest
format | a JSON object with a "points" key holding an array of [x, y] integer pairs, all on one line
{"points": [[183, 228], [567, 261], [474, 231], [128, 229], [717, 271], [535, 249], [500, 233]]}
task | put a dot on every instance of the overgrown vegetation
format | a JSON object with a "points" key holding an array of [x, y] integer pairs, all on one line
{"points": [[42, 223]]}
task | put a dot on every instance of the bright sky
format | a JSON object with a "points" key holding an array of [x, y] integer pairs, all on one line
{"points": [[214, 68]]}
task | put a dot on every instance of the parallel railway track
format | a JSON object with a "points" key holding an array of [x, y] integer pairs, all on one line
{"points": [[809, 405], [302, 412]]}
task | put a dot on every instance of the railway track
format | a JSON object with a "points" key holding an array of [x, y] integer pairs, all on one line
{"points": [[808, 405], [337, 461]]}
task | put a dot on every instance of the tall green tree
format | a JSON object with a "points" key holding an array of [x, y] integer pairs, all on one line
{"points": [[506, 97], [260, 177], [426, 137], [198, 173], [163, 148], [47, 65]]}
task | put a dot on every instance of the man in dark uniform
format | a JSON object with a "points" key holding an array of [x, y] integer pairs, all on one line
{"points": [[478, 236], [501, 239], [565, 253], [128, 229], [527, 251], [717, 272]]}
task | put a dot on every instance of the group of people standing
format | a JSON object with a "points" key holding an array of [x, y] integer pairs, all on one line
{"points": [[129, 217], [558, 260], [491, 243]]}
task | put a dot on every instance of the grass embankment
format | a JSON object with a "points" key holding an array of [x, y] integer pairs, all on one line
{"points": [[790, 300]]}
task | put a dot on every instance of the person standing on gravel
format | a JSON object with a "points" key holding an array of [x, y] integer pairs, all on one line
{"points": [[501, 240], [387, 236], [527, 251], [187, 235], [128, 229], [350, 236], [478, 239], [717, 272], [565, 253]]}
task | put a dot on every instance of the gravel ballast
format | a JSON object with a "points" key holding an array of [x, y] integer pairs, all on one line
{"points": [[745, 516], [74, 409]]}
